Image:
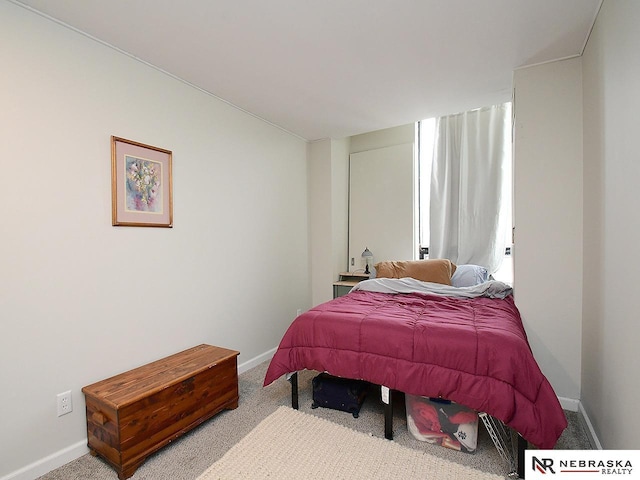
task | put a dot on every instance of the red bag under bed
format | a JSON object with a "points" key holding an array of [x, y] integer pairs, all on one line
{"points": [[471, 351]]}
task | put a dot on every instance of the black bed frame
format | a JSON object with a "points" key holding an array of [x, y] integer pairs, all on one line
{"points": [[388, 422]]}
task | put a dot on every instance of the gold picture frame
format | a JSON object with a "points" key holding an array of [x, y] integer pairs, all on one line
{"points": [[141, 184]]}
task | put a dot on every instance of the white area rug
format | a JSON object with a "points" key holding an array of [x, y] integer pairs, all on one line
{"points": [[289, 444]]}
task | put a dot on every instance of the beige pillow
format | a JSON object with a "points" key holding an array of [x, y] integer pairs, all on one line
{"points": [[432, 270]]}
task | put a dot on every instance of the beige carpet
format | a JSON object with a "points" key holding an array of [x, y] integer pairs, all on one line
{"points": [[290, 444]]}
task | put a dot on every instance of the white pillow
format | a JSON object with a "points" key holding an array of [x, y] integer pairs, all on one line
{"points": [[469, 275]]}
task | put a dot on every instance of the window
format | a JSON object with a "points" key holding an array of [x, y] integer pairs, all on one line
{"points": [[426, 137]]}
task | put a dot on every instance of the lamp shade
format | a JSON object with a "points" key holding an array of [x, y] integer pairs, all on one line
{"points": [[367, 260]]}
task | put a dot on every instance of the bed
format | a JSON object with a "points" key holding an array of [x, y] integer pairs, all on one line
{"points": [[429, 338]]}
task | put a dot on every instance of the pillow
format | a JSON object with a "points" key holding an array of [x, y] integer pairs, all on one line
{"points": [[432, 270], [469, 275]]}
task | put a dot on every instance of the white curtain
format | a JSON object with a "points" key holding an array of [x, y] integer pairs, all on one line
{"points": [[467, 212]]}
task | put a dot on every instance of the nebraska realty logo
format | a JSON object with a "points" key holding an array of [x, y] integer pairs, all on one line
{"points": [[583, 464]]}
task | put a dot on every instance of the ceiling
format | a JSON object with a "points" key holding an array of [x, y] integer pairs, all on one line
{"points": [[336, 68]]}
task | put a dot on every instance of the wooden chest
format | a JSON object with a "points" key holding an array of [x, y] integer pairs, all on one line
{"points": [[132, 415]]}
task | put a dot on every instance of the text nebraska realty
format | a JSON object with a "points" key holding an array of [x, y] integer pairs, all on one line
{"points": [[606, 467]]}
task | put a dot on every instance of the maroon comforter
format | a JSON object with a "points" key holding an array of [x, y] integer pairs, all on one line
{"points": [[472, 351]]}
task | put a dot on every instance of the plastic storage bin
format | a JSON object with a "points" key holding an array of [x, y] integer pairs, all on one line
{"points": [[443, 422]]}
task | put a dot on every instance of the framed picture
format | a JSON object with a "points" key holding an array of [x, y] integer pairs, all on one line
{"points": [[141, 184]]}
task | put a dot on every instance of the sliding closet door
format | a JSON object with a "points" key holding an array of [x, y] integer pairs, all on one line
{"points": [[381, 204]]}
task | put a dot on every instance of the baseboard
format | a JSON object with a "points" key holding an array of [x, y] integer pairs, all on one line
{"points": [[66, 455], [255, 361], [569, 404], [51, 462], [588, 426], [576, 406]]}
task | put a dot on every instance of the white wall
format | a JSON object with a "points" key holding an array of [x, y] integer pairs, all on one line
{"points": [[382, 204], [611, 83], [548, 217], [340, 203], [383, 138], [370, 143], [329, 202], [81, 300], [320, 226], [328, 214]]}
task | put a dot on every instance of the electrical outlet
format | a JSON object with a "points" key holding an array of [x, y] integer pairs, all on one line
{"points": [[65, 405], [298, 312]]}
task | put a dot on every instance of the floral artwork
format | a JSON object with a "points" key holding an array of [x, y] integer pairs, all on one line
{"points": [[143, 185]]}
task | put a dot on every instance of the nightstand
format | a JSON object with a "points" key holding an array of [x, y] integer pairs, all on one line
{"points": [[347, 281]]}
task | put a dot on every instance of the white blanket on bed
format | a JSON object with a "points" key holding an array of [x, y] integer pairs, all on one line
{"points": [[491, 289]]}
